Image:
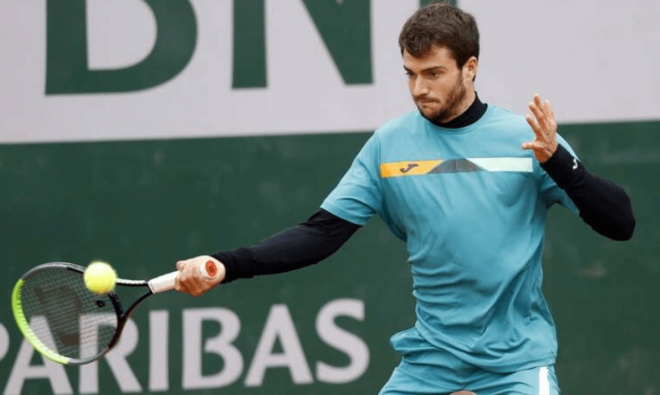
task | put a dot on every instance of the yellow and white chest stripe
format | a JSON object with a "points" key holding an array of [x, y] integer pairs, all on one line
{"points": [[441, 166]]}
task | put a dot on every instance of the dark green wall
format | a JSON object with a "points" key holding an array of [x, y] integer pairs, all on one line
{"points": [[143, 205], [603, 293]]}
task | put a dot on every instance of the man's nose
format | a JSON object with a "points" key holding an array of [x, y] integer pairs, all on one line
{"points": [[419, 87]]}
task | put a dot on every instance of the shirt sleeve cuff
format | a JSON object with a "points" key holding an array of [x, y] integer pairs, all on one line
{"points": [[563, 168], [232, 261]]}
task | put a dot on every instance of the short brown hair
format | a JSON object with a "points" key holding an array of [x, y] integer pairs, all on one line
{"points": [[441, 24]]}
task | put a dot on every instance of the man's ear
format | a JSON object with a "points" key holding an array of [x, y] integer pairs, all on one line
{"points": [[470, 68]]}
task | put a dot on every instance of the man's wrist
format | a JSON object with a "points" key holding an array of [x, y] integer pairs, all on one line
{"points": [[563, 167]]}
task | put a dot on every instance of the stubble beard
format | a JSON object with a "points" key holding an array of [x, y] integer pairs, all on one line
{"points": [[453, 106]]}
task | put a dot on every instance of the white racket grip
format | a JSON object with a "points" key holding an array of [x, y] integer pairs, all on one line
{"points": [[163, 283]]}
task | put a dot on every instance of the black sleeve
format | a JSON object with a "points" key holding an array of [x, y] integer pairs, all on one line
{"points": [[306, 244], [603, 205]]}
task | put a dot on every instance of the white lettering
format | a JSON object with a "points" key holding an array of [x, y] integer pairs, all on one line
{"points": [[89, 329], [158, 350], [50, 370], [220, 345], [279, 346], [4, 341], [116, 358], [279, 325], [342, 340]]}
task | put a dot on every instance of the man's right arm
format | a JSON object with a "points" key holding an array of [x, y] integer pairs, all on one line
{"points": [[357, 197], [306, 244]]}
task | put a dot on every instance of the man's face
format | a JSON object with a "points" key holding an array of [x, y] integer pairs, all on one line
{"points": [[439, 88]]}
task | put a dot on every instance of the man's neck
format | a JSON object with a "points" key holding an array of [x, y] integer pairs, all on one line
{"points": [[472, 114]]}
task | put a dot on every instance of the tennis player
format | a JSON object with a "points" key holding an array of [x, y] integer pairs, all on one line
{"points": [[467, 186]]}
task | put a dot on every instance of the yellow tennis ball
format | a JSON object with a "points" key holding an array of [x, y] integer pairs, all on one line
{"points": [[100, 277]]}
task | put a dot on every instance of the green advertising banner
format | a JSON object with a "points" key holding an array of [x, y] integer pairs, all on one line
{"points": [[143, 205]]}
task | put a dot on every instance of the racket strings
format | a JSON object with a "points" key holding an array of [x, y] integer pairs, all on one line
{"points": [[65, 316]]}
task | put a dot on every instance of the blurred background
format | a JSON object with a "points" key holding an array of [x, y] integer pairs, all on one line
{"points": [[141, 132]]}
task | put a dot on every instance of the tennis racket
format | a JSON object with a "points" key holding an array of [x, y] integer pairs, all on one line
{"points": [[69, 324]]}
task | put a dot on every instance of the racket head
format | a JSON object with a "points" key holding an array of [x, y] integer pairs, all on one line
{"points": [[61, 318]]}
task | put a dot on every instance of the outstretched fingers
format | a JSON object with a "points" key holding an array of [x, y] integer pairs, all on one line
{"points": [[543, 121], [543, 124]]}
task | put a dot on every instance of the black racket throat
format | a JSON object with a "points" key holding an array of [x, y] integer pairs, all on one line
{"points": [[123, 317]]}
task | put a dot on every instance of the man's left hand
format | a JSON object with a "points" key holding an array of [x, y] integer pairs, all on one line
{"points": [[545, 128]]}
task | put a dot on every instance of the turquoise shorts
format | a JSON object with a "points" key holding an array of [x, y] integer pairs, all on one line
{"points": [[425, 369]]}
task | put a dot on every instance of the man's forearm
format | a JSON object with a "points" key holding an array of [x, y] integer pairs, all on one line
{"points": [[306, 244], [603, 205]]}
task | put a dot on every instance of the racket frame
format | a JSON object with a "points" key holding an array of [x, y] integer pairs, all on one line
{"points": [[163, 283], [122, 317]]}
